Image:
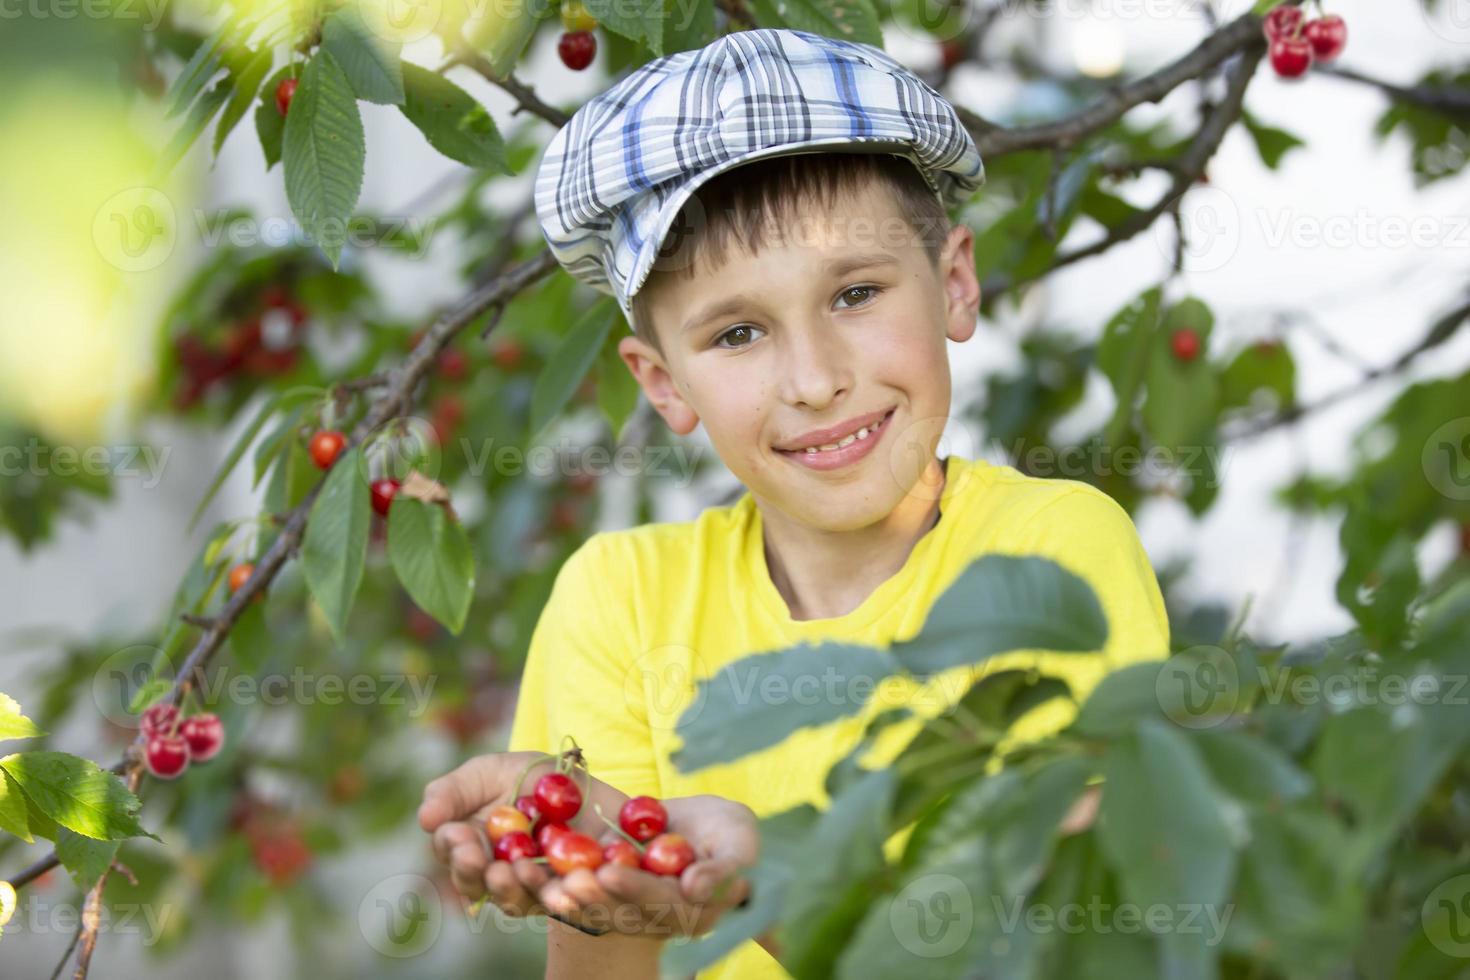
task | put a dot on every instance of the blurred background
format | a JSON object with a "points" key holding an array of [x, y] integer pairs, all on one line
{"points": [[154, 293]]}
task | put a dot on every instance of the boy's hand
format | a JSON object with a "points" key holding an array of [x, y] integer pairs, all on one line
{"points": [[455, 806], [725, 839]]}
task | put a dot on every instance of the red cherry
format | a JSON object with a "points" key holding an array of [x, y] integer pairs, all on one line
{"points": [[159, 719], [557, 797], [668, 854], [571, 850], [1327, 36], [1291, 57], [453, 364], [563, 516], [577, 49], [1465, 539], [239, 575], [508, 355], [548, 832], [582, 483], [504, 820], [1283, 22], [280, 853], [951, 52], [448, 413], [284, 93], [1185, 345], [527, 805], [167, 756], [514, 845], [621, 852], [325, 447], [643, 818], [383, 492], [205, 734]]}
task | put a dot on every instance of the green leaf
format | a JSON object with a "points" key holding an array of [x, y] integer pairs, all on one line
{"points": [[13, 809], [1250, 769], [1183, 398], [1123, 356], [1122, 698], [1164, 830], [1002, 603], [324, 153], [688, 24], [276, 402], [830, 890], [636, 20], [617, 389], [431, 556], [270, 126], [370, 62], [571, 361], [335, 546], [759, 700], [149, 692], [250, 638], [1262, 367], [1271, 143], [202, 65], [849, 20], [199, 116], [452, 121], [83, 857], [247, 85], [76, 794], [13, 724], [504, 29], [272, 445]]}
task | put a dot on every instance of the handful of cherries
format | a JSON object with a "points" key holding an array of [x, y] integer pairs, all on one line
{"points": [[537, 827]]}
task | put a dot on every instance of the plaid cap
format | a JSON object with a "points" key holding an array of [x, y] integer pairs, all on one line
{"points": [[615, 177]]}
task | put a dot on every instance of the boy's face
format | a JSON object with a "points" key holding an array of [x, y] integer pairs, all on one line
{"points": [[842, 323]]}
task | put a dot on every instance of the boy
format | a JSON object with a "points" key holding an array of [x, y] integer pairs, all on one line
{"points": [[770, 212]]}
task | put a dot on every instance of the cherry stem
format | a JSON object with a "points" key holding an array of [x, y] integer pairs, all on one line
{"points": [[597, 807], [526, 772]]}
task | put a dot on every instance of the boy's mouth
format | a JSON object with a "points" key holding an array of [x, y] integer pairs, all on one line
{"points": [[857, 443]]}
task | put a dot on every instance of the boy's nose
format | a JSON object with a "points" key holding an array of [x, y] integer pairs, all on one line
{"points": [[816, 366]]}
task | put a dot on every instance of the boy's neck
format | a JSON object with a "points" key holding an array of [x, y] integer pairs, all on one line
{"points": [[826, 574]]}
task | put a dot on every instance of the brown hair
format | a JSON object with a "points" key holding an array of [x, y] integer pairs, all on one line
{"points": [[748, 201]]}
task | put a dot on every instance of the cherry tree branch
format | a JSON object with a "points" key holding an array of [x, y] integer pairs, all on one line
{"points": [[1449, 100]]}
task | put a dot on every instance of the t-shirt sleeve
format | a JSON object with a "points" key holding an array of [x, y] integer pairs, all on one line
{"points": [[576, 678], [1088, 533]]}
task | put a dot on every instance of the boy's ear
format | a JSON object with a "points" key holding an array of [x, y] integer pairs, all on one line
{"points": [[653, 376], [961, 286]]}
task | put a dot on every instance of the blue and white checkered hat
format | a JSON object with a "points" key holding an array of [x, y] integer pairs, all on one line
{"points": [[614, 178]]}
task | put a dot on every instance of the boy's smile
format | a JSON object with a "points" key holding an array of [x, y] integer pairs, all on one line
{"points": [[818, 365]]}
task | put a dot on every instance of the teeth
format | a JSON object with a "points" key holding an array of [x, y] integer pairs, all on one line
{"points": [[862, 433]]}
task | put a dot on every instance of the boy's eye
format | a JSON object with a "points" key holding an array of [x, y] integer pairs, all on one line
{"points": [[870, 290], [739, 332]]}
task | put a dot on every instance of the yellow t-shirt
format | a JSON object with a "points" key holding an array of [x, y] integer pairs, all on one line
{"points": [[636, 617]]}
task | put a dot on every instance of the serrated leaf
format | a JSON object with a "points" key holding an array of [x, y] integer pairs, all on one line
{"points": [[431, 556], [13, 808], [247, 84], [571, 361], [1002, 603], [371, 63], [13, 724], [452, 121], [334, 549], [83, 857], [755, 702], [76, 794], [270, 125], [1182, 400], [324, 152]]}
